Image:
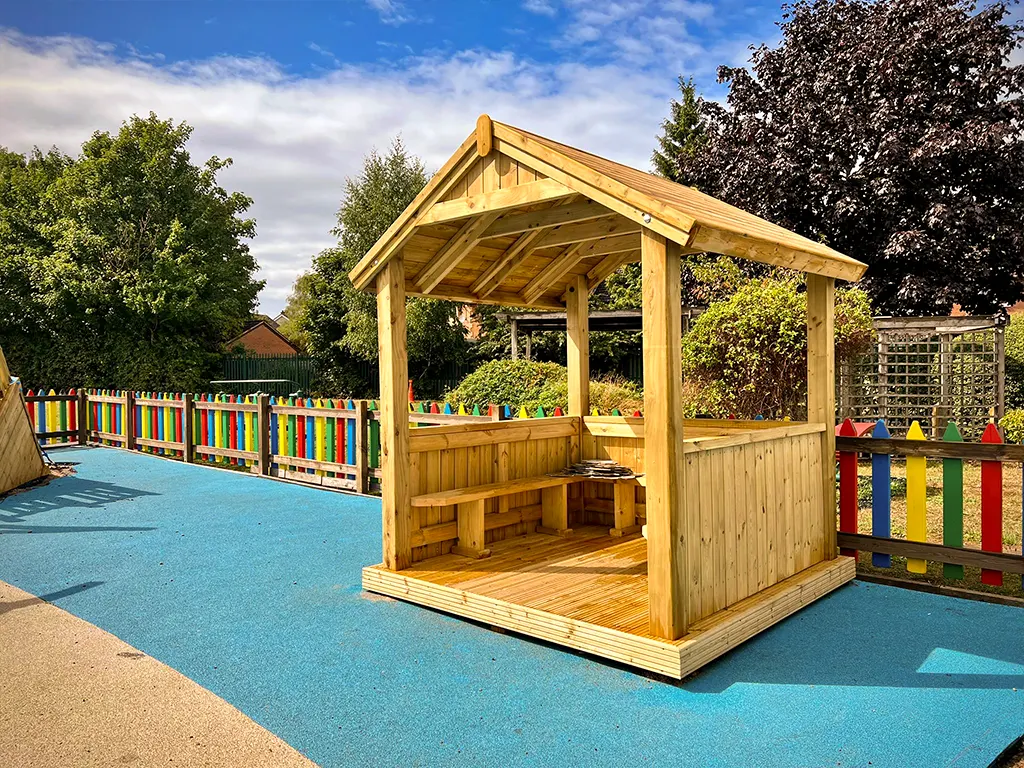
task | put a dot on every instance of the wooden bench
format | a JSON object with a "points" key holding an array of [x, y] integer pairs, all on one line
{"points": [[469, 505], [554, 496]]}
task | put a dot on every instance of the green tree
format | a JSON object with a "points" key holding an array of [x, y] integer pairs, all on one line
{"points": [[747, 354], [123, 267], [292, 327], [340, 322], [890, 130], [683, 136]]}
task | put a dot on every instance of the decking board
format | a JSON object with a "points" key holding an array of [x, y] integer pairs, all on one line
{"points": [[589, 592]]}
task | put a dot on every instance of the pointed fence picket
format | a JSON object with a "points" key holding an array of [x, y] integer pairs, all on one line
{"points": [[991, 452]]}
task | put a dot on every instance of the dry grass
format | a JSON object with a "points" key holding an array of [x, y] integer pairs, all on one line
{"points": [[972, 521]]}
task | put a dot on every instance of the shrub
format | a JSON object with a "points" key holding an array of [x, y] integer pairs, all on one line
{"points": [[522, 383], [1015, 363], [747, 354], [1013, 425]]}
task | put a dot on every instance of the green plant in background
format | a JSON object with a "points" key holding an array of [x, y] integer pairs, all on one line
{"points": [[747, 354], [1015, 363], [1013, 425], [522, 383]]}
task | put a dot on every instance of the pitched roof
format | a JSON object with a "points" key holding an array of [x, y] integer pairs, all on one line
{"points": [[513, 218]]}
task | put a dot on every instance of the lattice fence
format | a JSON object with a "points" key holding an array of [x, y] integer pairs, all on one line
{"points": [[932, 369]]}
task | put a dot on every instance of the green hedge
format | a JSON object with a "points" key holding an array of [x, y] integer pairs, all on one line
{"points": [[522, 383]]}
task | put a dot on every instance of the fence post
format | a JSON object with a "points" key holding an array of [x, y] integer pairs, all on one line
{"points": [[362, 455], [263, 432], [1000, 354], [187, 423], [83, 417], [128, 420]]}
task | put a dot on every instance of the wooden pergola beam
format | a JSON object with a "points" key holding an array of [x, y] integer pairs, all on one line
{"points": [[453, 252], [513, 224], [497, 201], [577, 355]]}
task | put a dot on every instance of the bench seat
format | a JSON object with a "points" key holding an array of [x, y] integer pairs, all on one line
{"points": [[491, 490], [469, 504]]}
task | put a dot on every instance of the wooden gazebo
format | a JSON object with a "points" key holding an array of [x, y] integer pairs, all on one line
{"points": [[739, 515]]}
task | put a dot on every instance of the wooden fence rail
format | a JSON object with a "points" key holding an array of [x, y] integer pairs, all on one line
{"points": [[952, 451]]}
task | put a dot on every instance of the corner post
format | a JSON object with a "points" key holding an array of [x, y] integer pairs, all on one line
{"points": [[187, 425], [263, 433], [663, 429], [83, 416], [362, 456], [129, 420], [821, 397], [577, 354], [394, 428]]}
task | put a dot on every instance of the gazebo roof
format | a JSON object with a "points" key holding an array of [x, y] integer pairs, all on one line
{"points": [[512, 218]]}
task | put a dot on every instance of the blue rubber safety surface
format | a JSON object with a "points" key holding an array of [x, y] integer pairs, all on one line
{"points": [[252, 588]]}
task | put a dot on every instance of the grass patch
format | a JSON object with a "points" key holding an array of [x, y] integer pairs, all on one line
{"points": [[1012, 514]]}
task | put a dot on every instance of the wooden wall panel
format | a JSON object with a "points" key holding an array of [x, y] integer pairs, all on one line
{"points": [[752, 511], [465, 466]]}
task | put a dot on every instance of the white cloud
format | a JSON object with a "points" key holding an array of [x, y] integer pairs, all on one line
{"points": [[541, 7], [391, 12], [294, 140]]}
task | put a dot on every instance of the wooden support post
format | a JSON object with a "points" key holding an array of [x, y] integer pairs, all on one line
{"points": [[471, 530], [663, 428], [624, 510], [188, 453], [83, 417], [554, 515], [577, 355], [263, 433], [362, 453], [515, 340], [821, 398], [394, 418], [129, 420]]}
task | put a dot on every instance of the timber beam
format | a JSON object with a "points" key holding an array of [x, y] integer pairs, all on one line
{"points": [[514, 223], [498, 201], [454, 251]]}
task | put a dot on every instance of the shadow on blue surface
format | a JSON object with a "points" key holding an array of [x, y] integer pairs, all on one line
{"points": [[67, 493], [50, 597], [252, 588]]}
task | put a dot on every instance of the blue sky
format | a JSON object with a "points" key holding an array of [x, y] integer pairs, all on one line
{"points": [[298, 92]]}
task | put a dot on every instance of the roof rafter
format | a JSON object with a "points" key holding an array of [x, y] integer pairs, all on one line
{"points": [[453, 252], [561, 264]]}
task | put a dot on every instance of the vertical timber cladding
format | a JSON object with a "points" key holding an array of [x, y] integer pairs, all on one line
{"points": [[20, 458], [446, 458], [752, 510]]}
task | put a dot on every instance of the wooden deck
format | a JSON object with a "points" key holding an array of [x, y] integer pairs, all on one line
{"points": [[588, 592]]}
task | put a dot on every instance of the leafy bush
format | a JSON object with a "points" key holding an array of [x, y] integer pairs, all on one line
{"points": [[747, 354], [523, 383], [1013, 425], [1015, 363]]}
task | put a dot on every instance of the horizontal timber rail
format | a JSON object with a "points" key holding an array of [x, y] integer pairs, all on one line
{"points": [[952, 451]]}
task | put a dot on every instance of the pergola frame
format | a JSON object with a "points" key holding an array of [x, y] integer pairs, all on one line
{"points": [[540, 225]]}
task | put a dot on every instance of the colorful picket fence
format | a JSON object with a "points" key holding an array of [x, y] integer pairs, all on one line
{"points": [[331, 442], [952, 450], [54, 416]]}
